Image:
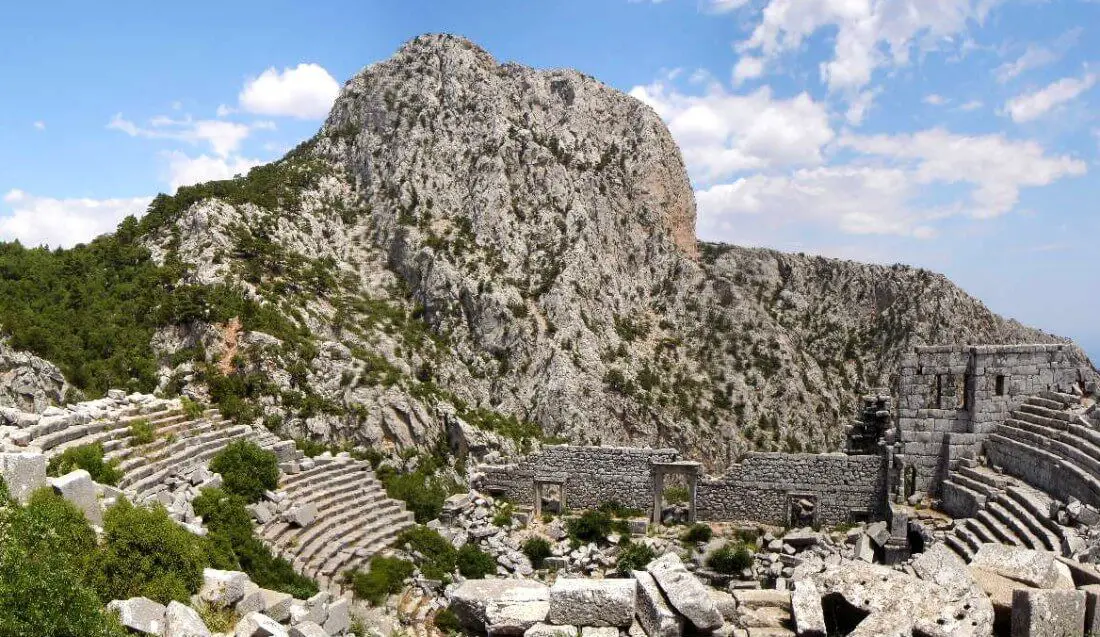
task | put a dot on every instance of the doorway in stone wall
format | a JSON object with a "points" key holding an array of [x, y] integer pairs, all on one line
{"points": [[674, 488], [549, 497]]}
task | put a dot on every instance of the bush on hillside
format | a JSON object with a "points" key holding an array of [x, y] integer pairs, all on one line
{"points": [[86, 457], [142, 432], [147, 554], [439, 554], [446, 621], [633, 557], [616, 510], [422, 492], [474, 563], [247, 470], [730, 559], [193, 410], [385, 577], [591, 526], [537, 549], [698, 532]]}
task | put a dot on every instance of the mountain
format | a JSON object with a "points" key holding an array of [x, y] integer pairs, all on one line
{"points": [[514, 248]]}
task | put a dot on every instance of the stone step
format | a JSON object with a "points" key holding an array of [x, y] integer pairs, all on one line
{"points": [[358, 532], [963, 532], [1033, 454], [361, 560], [379, 539], [187, 458], [335, 526], [1017, 527], [1046, 538], [93, 432], [358, 504], [323, 464], [959, 546], [983, 489], [1076, 451], [1002, 533], [1043, 412], [981, 531], [337, 474], [131, 456], [332, 504], [138, 468], [984, 476], [1067, 400], [41, 434], [1039, 401], [1067, 427]]}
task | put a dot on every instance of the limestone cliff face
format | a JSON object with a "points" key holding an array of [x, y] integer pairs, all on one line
{"points": [[465, 234], [28, 383]]}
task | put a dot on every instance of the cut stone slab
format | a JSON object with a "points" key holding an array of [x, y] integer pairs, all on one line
{"points": [[339, 617], [550, 630], [23, 472], [1034, 568], [1092, 609], [586, 602], [140, 614], [1049, 613], [654, 614], [763, 598], [259, 625], [78, 488], [685, 592], [276, 604], [253, 600], [998, 588], [513, 616], [301, 515], [470, 599], [725, 603], [806, 610], [864, 550], [183, 621], [878, 532], [943, 567], [307, 629], [223, 588]]}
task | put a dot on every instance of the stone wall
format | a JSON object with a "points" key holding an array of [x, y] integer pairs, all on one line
{"points": [[950, 398], [762, 486], [592, 475]]}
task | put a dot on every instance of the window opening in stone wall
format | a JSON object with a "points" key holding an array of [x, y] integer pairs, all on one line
{"points": [[1000, 389]]}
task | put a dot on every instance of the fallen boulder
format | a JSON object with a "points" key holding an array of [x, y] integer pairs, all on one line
{"points": [[585, 602], [1034, 568], [654, 614], [140, 614], [685, 592], [259, 625], [806, 610], [183, 621], [470, 600]]}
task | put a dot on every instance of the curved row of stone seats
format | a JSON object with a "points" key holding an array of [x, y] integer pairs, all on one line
{"points": [[1049, 448], [49, 439], [1007, 511], [354, 518]]}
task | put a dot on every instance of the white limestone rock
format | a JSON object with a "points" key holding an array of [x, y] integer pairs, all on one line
{"points": [[259, 625], [806, 610], [1034, 568], [470, 600], [685, 592], [513, 615], [338, 617], [307, 629], [140, 614], [276, 604], [23, 472], [588, 602], [223, 588], [550, 630], [78, 488], [183, 621], [654, 614]]}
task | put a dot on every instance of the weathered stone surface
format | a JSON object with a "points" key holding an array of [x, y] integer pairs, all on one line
{"points": [[470, 600], [78, 488], [259, 625], [685, 592], [1034, 568], [1048, 613], [27, 382], [725, 603], [339, 617], [140, 614], [654, 614], [586, 602], [253, 600], [806, 610], [997, 588], [550, 630], [223, 588], [1092, 609], [307, 629], [301, 515], [941, 566], [276, 604], [512, 616], [599, 631], [23, 472], [183, 621]]}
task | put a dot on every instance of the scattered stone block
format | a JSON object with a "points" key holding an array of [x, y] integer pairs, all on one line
{"points": [[725, 603], [276, 604], [301, 515], [1049, 613], [78, 488], [863, 549], [259, 625], [585, 602], [140, 614], [223, 588], [470, 600], [685, 592], [339, 617], [879, 533], [23, 472], [513, 614], [654, 614], [940, 565], [1034, 568], [806, 610], [253, 600], [550, 630], [183, 621], [1092, 609], [307, 629]]}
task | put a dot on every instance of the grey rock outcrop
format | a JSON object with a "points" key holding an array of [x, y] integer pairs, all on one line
{"points": [[28, 383], [140, 614]]}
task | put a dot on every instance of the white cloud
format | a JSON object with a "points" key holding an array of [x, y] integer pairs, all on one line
{"points": [[972, 105], [870, 34], [1036, 56], [722, 134], [858, 107], [722, 6], [63, 222], [747, 68], [934, 99], [225, 138], [306, 91], [185, 171], [996, 167], [224, 111], [1030, 106], [40, 125]]}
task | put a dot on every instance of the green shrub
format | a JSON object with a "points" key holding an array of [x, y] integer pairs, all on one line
{"points": [[591, 526], [446, 621], [218, 620], [232, 545], [247, 470], [676, 495], [537, 549], [698, 533], [146, 554], [503, 515], [633, 557], [439, 554], [88, 458], [385, 577], [421, 491], [192, 409], [730, 558], [142, 432], [474, 563], [616, 510]]}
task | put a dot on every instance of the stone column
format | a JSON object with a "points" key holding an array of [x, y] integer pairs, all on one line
{"points": [[658, 494], [538, 500], [693, 482]]}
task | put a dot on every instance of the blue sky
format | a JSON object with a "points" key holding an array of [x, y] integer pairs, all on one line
{"points": [[959, 135]]}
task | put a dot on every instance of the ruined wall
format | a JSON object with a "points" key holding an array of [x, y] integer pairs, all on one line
{"points": [[763, 485], [592, 475], [950, 398]]}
